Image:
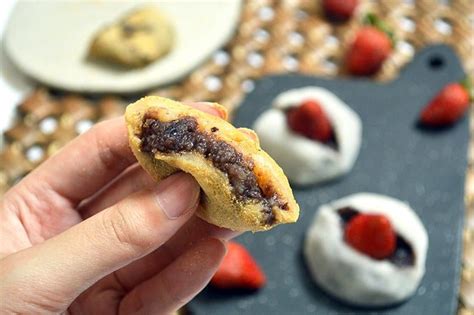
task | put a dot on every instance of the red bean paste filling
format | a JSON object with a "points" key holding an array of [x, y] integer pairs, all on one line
{"points": [[332, 143], [182, 135], [403, 256]]}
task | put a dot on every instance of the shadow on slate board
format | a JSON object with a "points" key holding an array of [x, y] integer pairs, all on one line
{"points": [[425, 168]]}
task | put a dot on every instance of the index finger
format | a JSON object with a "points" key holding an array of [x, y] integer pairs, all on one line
{"points": [[90, 161]]}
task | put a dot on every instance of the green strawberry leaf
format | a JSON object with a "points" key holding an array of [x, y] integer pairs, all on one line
{"points": [[467, 84], [372, 20]]}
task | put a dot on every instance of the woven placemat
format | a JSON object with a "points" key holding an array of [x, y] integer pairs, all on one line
{"points": [[273, 37]]}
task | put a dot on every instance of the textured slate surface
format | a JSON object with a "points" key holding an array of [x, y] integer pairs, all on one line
{"points": [[427, 169]]}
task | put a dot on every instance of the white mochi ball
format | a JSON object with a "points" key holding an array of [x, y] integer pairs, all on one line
{"points": [[307, 161], [353, 276]]}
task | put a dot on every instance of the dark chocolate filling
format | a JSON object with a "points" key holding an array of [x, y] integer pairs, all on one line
{"points": [[182, 135], [403, 256]]}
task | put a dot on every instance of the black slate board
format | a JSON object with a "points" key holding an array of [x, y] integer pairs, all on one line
{"points": [[427, 169]]}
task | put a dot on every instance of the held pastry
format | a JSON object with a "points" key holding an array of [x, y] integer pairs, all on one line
{"points": [[138, 39], [367, 249], [311, 133], [243, 188]]}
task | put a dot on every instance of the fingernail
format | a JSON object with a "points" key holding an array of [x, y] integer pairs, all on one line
{"points": [[250, 133], [220, 109], [211, 108], [177, 194]]}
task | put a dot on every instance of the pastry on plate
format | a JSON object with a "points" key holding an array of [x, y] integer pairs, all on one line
{"points": [[367, 249], [243, 188], [311, 133], [137, 40]]}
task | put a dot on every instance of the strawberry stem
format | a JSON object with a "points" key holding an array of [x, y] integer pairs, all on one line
{"points": [[467, 84], [372, 20]]}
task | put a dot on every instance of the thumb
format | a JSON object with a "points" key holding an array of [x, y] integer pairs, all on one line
{"points": [[72, 261]]}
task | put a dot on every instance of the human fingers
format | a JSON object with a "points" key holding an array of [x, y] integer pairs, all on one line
{"points": [[59, 269], [210, 108], [193, 231], [178, 283], [134, 179]]}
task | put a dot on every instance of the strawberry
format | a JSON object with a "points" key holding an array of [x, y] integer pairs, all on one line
{"points": [[447, 107], [339, 10], [309, 120], [371, 234], [238, 270], [371, 46]]}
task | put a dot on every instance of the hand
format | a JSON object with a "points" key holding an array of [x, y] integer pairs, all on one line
{"points": [[89, 232]]}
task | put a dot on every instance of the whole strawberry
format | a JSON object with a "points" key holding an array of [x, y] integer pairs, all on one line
{"points": [[447, 107], [309, 120], [370, 48], [371, 234], [238, 270], [339, 10]]}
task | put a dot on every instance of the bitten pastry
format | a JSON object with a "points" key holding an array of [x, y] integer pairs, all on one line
{"points": [[138, 39], [311, 133], [367, 249], [244, 189]]}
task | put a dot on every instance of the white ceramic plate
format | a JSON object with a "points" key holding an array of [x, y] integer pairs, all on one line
{"points": [[49, 41]]}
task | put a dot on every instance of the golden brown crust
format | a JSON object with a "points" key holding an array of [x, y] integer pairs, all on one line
{"points": [[136, 40], [220, 206]]}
